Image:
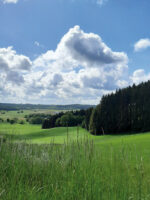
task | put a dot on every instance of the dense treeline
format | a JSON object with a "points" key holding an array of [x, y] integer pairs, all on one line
{"points": [[8, 107], [36, 118], [86, 121], [127, 110], [70, 118]]}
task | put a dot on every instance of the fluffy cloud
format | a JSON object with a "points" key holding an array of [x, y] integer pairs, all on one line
{"points": [[9, 59], [89, 49], [80, 70], [142, 44], [78, 50], [13, 65], [139, 76], [10, 1]]}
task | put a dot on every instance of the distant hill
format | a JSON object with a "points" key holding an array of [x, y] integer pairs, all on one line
{"points": [[10, 106]]}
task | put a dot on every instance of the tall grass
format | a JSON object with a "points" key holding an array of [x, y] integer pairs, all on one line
{"points": [[72, 171]]}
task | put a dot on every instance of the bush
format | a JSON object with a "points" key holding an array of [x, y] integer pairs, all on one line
{"points": [[1, 120], [13, 121], [22, 122], [67, 120], [36, 120], [58, 122]]}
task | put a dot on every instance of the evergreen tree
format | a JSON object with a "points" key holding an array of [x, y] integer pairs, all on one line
{"points": [[126, 110]]}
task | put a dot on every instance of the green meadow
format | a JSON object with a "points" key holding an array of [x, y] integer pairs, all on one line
{"points": [[36, 135], [69, 163], [20, 114]]}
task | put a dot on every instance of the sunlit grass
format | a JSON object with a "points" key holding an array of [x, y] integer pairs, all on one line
{"points": [[78, 170], [72, 166], [35, 134]]}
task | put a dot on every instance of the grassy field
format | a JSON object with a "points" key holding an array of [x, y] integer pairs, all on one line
{"points": [[34, 134], [20, 115], [86, 168]]}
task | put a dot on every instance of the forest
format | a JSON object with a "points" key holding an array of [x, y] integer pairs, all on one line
{"points": [[125, 111], [70, 118]]}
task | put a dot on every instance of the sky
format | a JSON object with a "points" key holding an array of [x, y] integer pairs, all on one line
{"points": [[72, 51]]}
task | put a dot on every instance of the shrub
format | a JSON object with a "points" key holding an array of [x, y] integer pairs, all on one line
{"points": [[36, 120], [13, 121], [22, 122], [1, 120]]}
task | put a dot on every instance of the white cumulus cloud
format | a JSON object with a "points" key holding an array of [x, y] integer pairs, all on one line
{"points": [[142, 44], [81, 69], [12, 64], [140, 76]]}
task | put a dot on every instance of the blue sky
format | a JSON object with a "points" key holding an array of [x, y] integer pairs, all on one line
{"points": [[32, 30]]}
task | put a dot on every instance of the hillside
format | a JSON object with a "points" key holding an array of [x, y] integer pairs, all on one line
{"points": [[9, 106]]}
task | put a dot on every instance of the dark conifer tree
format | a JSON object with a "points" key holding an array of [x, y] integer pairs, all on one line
{"points": [[126, 110]]}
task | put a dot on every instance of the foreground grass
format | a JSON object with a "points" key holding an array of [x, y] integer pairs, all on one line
{"points": [[75, 171], [85, 168]]}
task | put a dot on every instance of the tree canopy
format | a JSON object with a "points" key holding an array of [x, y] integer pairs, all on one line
{"points": [[126, 110]]}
